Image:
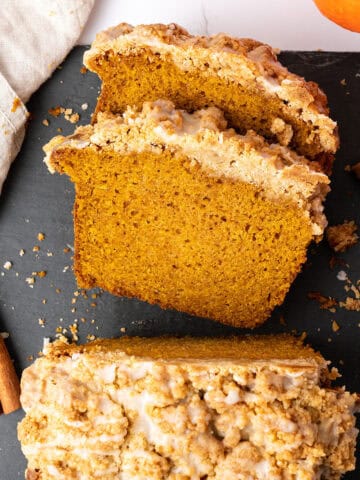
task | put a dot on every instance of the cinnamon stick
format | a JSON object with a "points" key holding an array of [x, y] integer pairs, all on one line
{"points": [[9, 383]]}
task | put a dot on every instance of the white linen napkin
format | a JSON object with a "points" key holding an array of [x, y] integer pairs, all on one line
{"points": [[35, 37]]}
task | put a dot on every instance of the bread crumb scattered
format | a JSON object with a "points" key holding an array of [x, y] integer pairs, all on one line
{"points": [[41, 322], [22, 252], [44, 301], [335, 326], [4, 334], [84, 106], [122, 329], [41, 236], [74, 118], [351, 303], [8, 265], [55, 112], [343, 236], [90, 337], [342, 276], [68, 113], [40, 274], [325, 302], [45, 122], [74, 331], [36, 248], [83, 70], [343, 82], [30, 280]]}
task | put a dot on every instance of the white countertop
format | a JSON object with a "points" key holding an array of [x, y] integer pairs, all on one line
{"points": [[284, 24]]}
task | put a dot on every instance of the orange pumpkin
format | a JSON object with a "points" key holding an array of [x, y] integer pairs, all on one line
{"points": [[345, 13]]}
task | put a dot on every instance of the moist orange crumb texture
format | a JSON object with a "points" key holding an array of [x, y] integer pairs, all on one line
{"points": [[159, 228], [135, 79]]}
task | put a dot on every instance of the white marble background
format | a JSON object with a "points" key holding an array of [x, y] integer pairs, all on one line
{"points": [[285, 24]]}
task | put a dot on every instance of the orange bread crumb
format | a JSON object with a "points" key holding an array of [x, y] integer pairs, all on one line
{"points": [[176, 210], [343, 236], [242, 77]]}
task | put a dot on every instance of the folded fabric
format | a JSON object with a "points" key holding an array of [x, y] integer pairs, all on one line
{"points": [[35, 36]]}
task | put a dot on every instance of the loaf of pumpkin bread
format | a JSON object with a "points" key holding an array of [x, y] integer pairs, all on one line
{"points": [[254, 408]]}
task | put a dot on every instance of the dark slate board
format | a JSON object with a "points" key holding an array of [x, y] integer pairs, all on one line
{"points": [[34, 201]]}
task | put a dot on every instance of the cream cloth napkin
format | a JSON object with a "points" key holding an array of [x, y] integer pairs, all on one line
{"points": [[35, 36]]}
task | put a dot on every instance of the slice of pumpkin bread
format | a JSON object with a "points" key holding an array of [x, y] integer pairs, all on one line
{"points": [[175, 209], [251, 408], [242, 77]]}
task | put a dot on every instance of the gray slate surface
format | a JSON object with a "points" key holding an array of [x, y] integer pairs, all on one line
{"points": [[34, 201]]}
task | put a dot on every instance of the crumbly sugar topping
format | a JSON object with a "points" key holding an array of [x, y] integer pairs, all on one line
{"points": [[203, 137], [109, 415], [244, 61]]}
